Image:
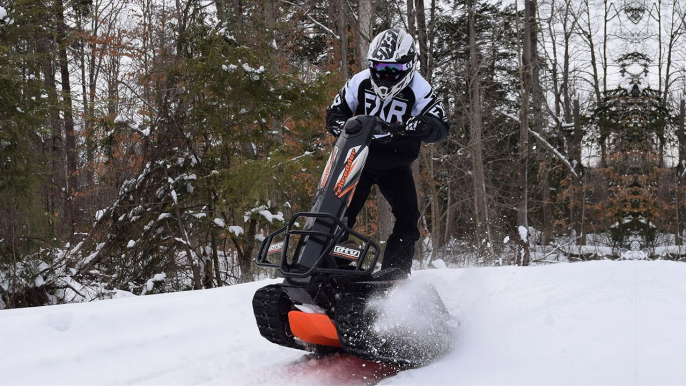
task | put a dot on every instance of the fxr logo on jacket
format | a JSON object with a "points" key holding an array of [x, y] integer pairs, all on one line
{"points": [[390, 110]]}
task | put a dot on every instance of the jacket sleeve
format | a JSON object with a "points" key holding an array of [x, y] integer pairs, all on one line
{"points": [[343, 106], [337, 114], [432, 113], [437, 129]]}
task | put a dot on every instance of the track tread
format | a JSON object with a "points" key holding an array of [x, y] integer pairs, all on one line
{"points": [[271, 322], [354, 322]]}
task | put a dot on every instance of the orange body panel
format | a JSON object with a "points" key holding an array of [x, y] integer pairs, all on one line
{"points": [[313, 328]]}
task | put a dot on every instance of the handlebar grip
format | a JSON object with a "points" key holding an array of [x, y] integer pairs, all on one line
{"points": [[391, 128]]}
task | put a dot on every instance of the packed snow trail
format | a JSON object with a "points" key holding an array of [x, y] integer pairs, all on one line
{"points": [[584, 323]]}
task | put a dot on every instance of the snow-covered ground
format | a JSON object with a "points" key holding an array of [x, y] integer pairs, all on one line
{"points": [[600, 322]]}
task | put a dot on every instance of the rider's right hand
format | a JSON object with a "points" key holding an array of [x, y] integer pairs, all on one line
{"points": [[389, 128], [337, 128], [395, 127]]}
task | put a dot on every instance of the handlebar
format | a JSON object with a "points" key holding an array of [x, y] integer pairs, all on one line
{"points": [[382, 131]]}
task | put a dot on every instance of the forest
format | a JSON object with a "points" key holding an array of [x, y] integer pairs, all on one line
{"points": [[149, 146]]}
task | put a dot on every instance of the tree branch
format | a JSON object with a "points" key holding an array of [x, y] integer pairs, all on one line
{"points": [[547, 144], [325, 28]]}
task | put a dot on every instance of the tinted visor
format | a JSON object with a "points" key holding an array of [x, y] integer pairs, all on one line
{"points": [[392, 68], [388, 71]]}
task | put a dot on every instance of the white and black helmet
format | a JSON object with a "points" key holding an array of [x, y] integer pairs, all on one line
{"points": [[392, 62]]}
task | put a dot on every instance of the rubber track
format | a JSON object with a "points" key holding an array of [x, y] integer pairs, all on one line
{"points": [[354, 324], [271, 323]]}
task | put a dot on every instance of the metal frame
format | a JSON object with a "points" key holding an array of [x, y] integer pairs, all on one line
{"points": [[332, 239]]}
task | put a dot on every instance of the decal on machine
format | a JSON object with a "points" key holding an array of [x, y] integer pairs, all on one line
{"points": [[327, 170], [347, 180], [275, 248], [346, 252]]}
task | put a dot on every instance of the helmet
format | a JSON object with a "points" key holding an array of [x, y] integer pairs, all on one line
{"points": [[392, 62]]}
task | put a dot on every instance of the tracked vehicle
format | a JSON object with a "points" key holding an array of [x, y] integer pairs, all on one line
{"points": [[324, 303]]}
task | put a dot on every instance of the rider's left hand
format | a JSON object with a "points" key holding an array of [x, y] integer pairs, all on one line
{"points": [[414, 127]]}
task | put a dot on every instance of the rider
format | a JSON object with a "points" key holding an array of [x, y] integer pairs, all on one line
{"points": [[392, 90]]}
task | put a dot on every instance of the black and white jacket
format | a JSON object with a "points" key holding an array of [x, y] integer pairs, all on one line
{"points": [[417, 99]]}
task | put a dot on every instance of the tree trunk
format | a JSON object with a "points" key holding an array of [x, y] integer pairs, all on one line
{"points": [[525, 92], [682, 136], [475, 137], [87, 116], [422, 35], [680, 169], [221, 10], [592, 52], [542, 157], [411, 19], [435, 200], [55, 199], [246, 250], [68, 120], [213, 237], [207, 271], [365, 29], [577, 187], [343, 33]]}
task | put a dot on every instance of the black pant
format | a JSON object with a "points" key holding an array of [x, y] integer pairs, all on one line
{"points": [[397, 186]]}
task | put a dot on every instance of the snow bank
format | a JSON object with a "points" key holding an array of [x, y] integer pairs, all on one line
{"points": [[600, 322]]}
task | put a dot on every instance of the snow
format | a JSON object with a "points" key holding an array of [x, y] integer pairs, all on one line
{"points": [[599, 322], [247, 68], [151, 282], [678, 250], [219, 222], [229, 68], [523, 233], [587, 250], [634, 255], [310, 309], [262, 210], [439, 264], [236, 230], [271, 217], [3, 13]]}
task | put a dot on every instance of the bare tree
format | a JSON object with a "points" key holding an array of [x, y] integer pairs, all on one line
{"points": [[585, 29], [365, 18], [522, 165], [676, 30], [481, 219]]}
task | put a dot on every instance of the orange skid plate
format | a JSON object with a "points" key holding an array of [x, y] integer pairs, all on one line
{"points": [[313, 328]]}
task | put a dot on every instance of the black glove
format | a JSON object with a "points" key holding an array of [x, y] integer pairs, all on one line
{"points": [[395, 128], [414, 127], [337, 128]]}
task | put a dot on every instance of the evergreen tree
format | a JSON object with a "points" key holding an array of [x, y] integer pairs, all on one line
{"points": [[24, 222]]}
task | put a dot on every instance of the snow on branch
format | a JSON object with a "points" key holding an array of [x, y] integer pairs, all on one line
{"points": [[547, 144], [325, 28], [557, 154]]}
